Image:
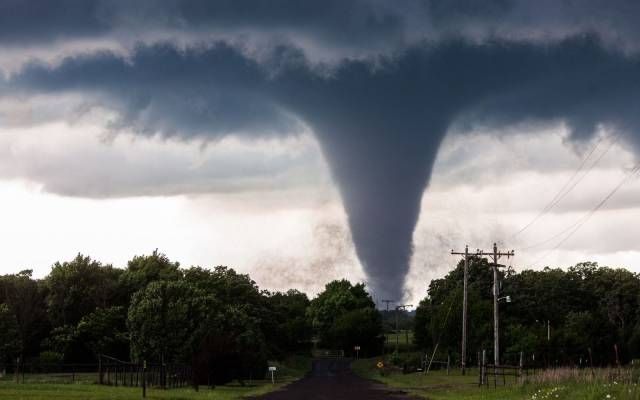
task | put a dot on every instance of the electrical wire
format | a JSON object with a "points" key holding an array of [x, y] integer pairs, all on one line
{"points": [[572, 229], [570, 184]]}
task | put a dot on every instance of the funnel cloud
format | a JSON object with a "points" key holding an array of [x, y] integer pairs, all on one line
{"points": [[379, 87]]}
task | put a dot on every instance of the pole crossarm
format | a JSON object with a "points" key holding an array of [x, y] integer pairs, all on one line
{"points": [[387, 303], [495, 255]]}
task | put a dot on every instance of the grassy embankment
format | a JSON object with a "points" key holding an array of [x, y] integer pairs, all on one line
{"points": [[44, 387], [561, 384]]}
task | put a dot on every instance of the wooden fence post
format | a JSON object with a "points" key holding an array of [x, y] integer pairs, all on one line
{"points": [[615, 349], [144, 379], [593, 372], [483, 368], [520, 366]]}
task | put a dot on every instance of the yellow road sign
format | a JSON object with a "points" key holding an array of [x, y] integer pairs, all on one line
{"points": [[380, 364]]}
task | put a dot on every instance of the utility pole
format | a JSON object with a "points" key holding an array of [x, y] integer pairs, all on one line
{"points": [[385, 335], [463, 358], [495, 254], [402, 307]]}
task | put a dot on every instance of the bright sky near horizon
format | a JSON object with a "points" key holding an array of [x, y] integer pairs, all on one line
{"points": [[291, 231], [302, 142]]}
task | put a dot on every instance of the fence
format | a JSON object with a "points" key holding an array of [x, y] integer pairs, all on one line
{"points": [[35, 372], [428, 363], [328, 354], [500, 372], [114, 372]]}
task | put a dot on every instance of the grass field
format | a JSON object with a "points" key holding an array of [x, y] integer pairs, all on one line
{"points": [[31, 391], [36, 389], [437, 385], [401, 337]]}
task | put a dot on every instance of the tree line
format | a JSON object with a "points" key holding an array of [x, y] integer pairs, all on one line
{"points": [[216, 320], [576, 316], [222, 324]]}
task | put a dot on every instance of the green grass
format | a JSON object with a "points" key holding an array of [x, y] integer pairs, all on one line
{"points": [[35, 391], [437, 385], [34, 388], [50, 378], [401, 337]]}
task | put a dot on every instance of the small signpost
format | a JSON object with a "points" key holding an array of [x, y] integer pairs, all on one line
{"points": [[380, 365], [357, 349], [272, 370]]}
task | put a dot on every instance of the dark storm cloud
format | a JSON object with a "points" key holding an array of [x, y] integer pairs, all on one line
{"points": [[26, 22], [335, 24], [379, 119], [208, 92]]}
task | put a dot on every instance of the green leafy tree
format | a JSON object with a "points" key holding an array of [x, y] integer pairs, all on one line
{"points": [[142, 270], [336, 313], [239, 328], [26, 297], [232, 344], [9, 339], [287, 327], [556, 315], [104, 331], [437, 319], [63, 340], [76, 288], [165, 320]]}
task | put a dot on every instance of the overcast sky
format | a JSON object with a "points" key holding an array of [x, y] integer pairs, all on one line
{"points": [[304, 142]]}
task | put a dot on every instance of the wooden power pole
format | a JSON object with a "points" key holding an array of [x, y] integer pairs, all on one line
{"points": [[387, 316], [495, 254], [402, 307], [463, 355]]}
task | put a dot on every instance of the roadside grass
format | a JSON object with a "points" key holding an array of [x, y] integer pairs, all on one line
{"points": [[437, 385], [289, 371], [37, 391]]}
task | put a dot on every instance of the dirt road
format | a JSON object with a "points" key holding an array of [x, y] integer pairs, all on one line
{"points": [[333, 380]]}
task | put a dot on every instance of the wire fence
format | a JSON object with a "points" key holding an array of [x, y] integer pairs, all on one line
{"points": [[107, 371], [114, 372], [48, 372]]}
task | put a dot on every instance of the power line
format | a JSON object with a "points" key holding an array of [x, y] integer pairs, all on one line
{"points": [[495, 255], [583, 220], [570, 184]]}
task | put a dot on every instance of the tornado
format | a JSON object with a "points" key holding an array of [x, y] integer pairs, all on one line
{"points": [[379, 130], [381, 186]]}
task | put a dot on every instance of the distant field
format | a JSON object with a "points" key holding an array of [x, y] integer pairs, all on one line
{"points": [[401, 338], [437, 385], [59, 387]]}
